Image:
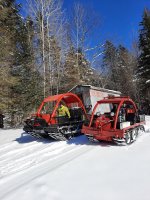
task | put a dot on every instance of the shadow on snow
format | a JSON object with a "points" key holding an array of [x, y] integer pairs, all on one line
{"points": [[79, 140], [26, 138]]}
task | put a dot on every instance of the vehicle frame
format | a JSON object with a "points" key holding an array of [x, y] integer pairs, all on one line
{"points": [[49, 125], [108, 130]]}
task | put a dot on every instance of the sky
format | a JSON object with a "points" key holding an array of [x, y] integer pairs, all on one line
{"points": [[119, 19]]}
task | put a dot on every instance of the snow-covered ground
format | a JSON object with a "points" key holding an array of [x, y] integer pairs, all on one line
{"points": [[33, 169]]}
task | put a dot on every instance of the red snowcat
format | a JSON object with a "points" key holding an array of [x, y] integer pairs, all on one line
{"points": [[46, 123], [114, 119]]}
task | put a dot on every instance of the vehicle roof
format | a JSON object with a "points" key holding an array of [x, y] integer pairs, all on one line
{"points": [[53, 98], [114, 99], [95, 88], [67, 97]]}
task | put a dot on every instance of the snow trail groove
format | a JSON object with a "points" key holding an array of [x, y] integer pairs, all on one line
{"points": [[23, 160], [24, 157]]}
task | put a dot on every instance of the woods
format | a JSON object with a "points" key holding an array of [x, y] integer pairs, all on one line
{"points": [[47, 52]]}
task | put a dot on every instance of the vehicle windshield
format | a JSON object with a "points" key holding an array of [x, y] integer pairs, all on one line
{"points": [[48, 107], [105, 108]]}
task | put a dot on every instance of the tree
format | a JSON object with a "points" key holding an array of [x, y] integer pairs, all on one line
{"points": [[109, 66], [28, 91], [8, 29], [83, 22], [71, 71], [144, 58], [126, 72], [119, 69], [47, 16], [20, 90]]}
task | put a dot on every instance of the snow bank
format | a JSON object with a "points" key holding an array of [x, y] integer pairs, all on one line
{"points": [[147, 125]]}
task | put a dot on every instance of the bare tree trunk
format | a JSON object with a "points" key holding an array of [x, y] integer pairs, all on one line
{"points": [[83, 23], [43, 48], [49, 56], [46, 15], [78, 47]]}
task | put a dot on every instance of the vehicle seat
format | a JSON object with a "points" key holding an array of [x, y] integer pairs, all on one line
{"points": [[76, 114], [130, 115]]}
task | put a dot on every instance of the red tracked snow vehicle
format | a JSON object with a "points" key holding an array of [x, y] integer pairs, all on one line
{"points": [[114, 119], [47, 124]]}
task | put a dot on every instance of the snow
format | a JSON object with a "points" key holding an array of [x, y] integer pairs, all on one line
{"points": [[74, 170]]}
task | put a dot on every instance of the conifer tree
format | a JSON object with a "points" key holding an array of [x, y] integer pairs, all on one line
{"points": [[28, 90], [109, 65], [8, 27], [119, 66], [19, 80], [126, 72], [144, 58], [71, 76]]}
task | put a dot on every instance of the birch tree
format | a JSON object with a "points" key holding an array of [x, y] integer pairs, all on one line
{"points": [[47, 16], [84, 22]]}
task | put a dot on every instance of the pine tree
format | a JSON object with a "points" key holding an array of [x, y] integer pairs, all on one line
{"points": [[119, 67], [8, 26], [20, 91], [28, 92], [71, 76], [109, 65], [126, 72], [70, 71], [144, 59]]}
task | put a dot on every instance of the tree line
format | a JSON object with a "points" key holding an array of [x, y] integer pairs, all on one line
{"points": [[48, 52]]}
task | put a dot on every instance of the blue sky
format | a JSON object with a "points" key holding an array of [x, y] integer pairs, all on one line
{"points": [[119, 18]]}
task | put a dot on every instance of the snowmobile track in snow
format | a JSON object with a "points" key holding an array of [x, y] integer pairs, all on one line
{"points": [[28, 156], [22, 159]]}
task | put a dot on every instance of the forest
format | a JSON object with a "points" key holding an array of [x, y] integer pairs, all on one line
{"points": [[46, 52]]}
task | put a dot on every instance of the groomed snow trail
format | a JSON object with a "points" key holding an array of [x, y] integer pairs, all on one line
{"points": [[22, 157], [74, 170], [26, 155]]}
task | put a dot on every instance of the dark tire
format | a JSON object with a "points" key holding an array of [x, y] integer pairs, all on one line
{"points": [[134, 134], [128, 138], [69, 136], [66, 133], [142, 128]]}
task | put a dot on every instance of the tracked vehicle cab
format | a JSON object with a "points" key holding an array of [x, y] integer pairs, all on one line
{"points": [[112, 118], [48, 123]]}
